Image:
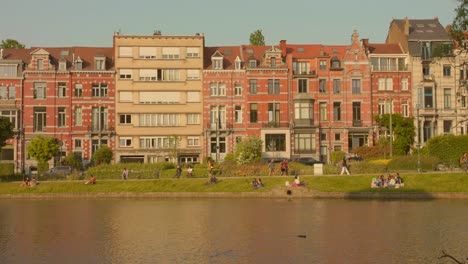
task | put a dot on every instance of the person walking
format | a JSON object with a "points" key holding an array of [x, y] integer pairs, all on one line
{"points": [[271, 167], [178, 172], [344, 167], [125, 174]]}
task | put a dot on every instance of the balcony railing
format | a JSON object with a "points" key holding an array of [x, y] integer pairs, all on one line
{"points": [[304, 73], [392, 68], [357, 123], [100, 129], [303, 122]]}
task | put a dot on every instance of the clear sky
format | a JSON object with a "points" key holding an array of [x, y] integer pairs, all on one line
{"points": [[56, 23]]}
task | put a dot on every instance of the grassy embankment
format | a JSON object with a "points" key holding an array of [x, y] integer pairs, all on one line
{"points": [[443, 182]]}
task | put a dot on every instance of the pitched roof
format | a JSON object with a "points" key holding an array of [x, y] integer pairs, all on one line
{"points": [[424, 29], [383, 48], [87, 55], [229, 54]]}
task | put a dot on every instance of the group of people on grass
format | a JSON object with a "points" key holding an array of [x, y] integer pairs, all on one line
{"points": [[296, 183], [29, 182], [389, 182]]}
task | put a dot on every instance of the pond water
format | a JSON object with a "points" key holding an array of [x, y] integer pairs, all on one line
{"points": [[232, 231]]}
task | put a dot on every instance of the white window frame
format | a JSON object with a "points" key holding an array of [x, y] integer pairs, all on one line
{"points": [[148, 75], [193, 119], [78, 116], [193, 141], [170, 53], [125, 142], [125, 74], [404, 84], [193, 52], [62, 90], [193, 74], [237, 89], [147, 52]]}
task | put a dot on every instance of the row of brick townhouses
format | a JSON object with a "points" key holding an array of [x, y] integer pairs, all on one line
{"points": [[155, 97]]}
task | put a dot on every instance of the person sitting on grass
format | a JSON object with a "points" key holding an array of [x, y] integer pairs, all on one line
{"points": [[26, 182], [255, 183], [33, 182], [297, 182], [91, 181], [374, 183], [189, 172], [259, 183]]}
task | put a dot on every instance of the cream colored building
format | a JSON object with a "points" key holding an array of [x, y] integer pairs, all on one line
{"points": [[159, 98]]}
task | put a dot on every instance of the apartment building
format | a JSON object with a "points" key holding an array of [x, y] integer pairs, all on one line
{"points": [[66, 93], [159, 102], [433, 82]]}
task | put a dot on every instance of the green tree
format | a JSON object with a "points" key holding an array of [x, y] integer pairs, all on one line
{"points": [[75, 161], [43, 149], [11, 44], [6, 132], [248, 150], [174, 143], [459, 27], [257, 38], [102, 155], [403, 130]]}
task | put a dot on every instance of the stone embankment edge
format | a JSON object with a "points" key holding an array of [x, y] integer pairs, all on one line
{"points": [[282, 192]]}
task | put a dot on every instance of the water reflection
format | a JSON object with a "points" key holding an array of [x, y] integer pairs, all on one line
{"points": [[231, 231]]}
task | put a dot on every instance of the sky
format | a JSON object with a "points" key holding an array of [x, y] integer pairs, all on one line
{"points": [[61, 23]]}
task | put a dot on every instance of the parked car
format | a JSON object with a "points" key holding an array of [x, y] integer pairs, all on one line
{"points": [[59, 170], [307, 161], [355, 158]]}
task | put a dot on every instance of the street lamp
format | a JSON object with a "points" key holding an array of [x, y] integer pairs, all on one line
{"points": [[419, 139]]}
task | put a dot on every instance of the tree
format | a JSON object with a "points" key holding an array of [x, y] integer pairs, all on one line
{"points": [[75, 161], [174, 142], [248, 150], [403, 130], [43, 149], [257, 38], [102, 155], [459, 28], [6, 132], [11, 44]]}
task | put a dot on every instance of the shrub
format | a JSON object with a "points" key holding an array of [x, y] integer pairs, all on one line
{"points": [[448, 148], [410, 162], [367, 152], [337, 156], [7, 169], [102, 155], [367, 166]]}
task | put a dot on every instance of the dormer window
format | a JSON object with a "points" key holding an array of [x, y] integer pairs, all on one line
{"points": [[237, 64], [40, 64], [62, 65], [217, 63], [252, 64], [273, 62], [335, 63], [100, 63], [79, 64]]}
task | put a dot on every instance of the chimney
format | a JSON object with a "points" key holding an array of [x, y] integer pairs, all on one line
{"points": [[283, 47], [436, 18], [365, 42], [406, 26]]}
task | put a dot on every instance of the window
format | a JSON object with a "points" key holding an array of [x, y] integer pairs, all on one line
{"points": [[336, 86], [273, 62], [404, 84], [125, 74], [428, 97], [323, 65], [78, 143], [157, 142], [170, 53], [382, 107], [275, 142], [237, 89], [159, 120], [405, 108], [426, 50], [125, 119], [40, 64], [125, 52], [79, 64], [337, 136], [99, 116], [61, 117], [170, 75], [323, 111], [253, 86], [302, 85], [7, 92], [62, 65], [238, 114], [381, 84], [99, 90], [356, 111], [463, 101], [78, 92], [323, 136], [39, 90], [252, 64], [100, 63], [447, 70], [193, 119], [335, 63], [447, 98], [303, 110], [253, 113], [193, 141], [447, 126], [11, 92], [274, 114], [125, 141], [218, 146], [356, 86], [11, 116], [148, 75], [301, 67], [273, 86], [389, 84], [78, 117], [40, 119], [193, 74], [237, 64], [336, 111], [193, 52], [218, 89], [147, 53], [217, 63], [8, 70], [322, 85], [62, 89], [304, 143], [159, 97], [426, 71]]}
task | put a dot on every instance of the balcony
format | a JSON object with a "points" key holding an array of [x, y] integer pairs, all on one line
{"points": [[100, 129], [275, 124], [304, 74], [303, 122], [218, 126]]}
